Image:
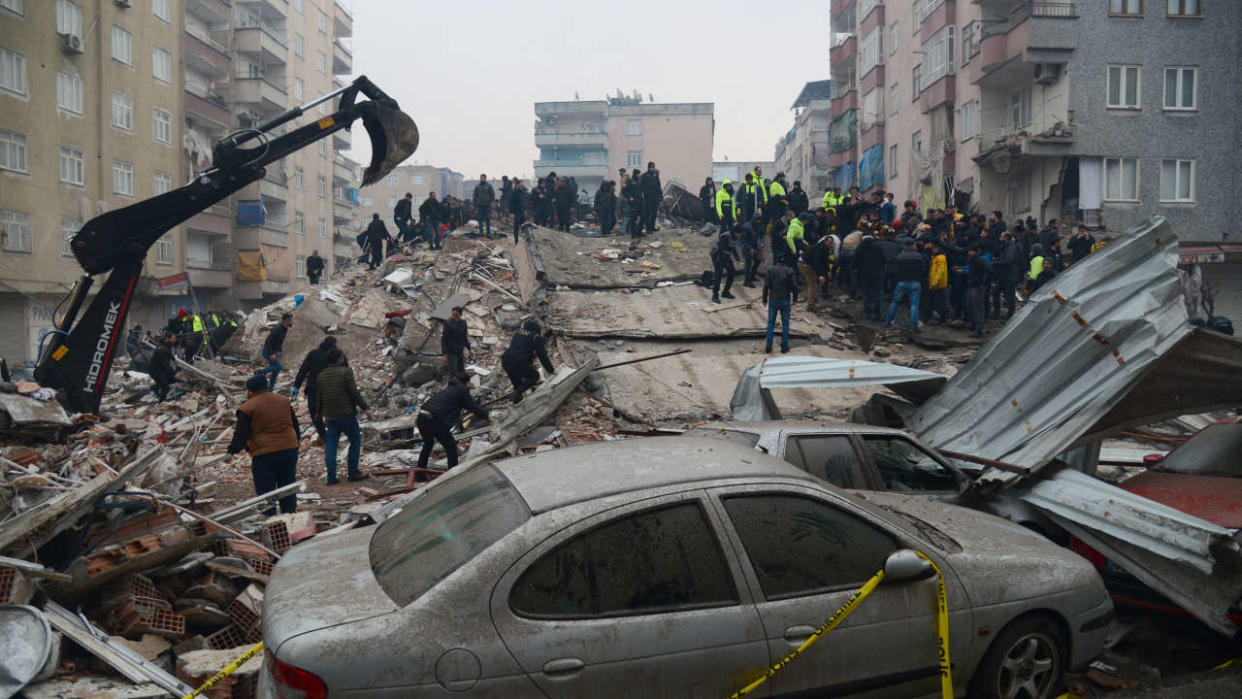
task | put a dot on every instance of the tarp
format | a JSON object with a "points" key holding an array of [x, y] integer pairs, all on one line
{"points": [[843, 132], [250, 267], [845, 176], [250, 212], [752, 399], [871, 167]]}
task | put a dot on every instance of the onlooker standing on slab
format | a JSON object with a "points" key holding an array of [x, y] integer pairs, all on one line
{"points": [[268, 428], [337, 402], [483, 198]]}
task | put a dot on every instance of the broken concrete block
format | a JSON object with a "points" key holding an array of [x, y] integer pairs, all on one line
{"points": [[196, 667]]}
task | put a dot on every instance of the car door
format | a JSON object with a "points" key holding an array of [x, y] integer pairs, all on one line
{"points": [[831, 457], [641, 600], [806, 552]]}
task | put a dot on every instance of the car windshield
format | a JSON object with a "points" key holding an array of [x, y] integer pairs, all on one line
{"points": [[442, 531], [1212, 452]]}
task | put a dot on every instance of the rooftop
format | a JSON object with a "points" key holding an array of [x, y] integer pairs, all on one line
{"points": [[814, 90]]}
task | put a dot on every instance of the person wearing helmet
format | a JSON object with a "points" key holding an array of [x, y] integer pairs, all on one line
{"points": [[518, 360]]}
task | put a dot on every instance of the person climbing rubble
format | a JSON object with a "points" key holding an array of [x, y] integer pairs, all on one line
{"points": [[518, 360]]}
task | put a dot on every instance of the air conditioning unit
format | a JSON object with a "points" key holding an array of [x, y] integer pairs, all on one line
{"points": [[71, 43], [126, 4], [1047, 73]]}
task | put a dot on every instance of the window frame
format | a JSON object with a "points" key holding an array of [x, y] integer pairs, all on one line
{"points": [[893, 37], [156, 63], [894, 94], [1183, 14], [127, 107], [166, 6], [322, 21], [321, 184], [1177, 175], [17, 61], [633, 127], [299, 223], [969, 108], [1123, 13], [323, 227], [16, 7], [299, 45], [126, 169], [68, 18], [164, 250], [65, 83], [1179, 88], [1123, 69], [323, 62], [872, 43], [299, 175], [18, 144], [126, 44], [69, 227], [161, 183], [1024, 104], [77, 164], [1138, 178], [299, 267], [161, 117], [916, 81], [25, 237], [892, 160]]}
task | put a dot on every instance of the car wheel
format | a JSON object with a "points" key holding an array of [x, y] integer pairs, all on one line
{"points": [[1026, 661]]}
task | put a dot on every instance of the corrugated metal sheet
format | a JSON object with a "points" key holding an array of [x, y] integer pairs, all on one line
{"points": [[752, 400]]}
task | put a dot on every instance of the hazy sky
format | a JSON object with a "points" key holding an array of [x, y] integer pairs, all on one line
{"points": [[470, 72]]}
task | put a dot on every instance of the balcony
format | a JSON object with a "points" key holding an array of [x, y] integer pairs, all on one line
{"points": [[342, 21], [268, 10], [342, 172], [342, 58], [843, 104], [551, 138], [552, 109], [216, 220], [217, 274], [1036, 32], [210, 109], [342, 139], [939, 87], [843, 54], [564, 169], [345, 250], [274, 185], [872, 135], [1014, 146], [266, 96], [210, 11], [264, 41], [343, 211], [274, 231], [203, 54]]}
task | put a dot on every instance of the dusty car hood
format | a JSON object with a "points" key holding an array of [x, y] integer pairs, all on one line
{"points": [[322, 583], [998, 561]]}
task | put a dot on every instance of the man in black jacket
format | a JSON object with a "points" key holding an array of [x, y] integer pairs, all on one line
{"points": [[564, 198], [273, 346], [1007, 269], [632, 192], [752, 249], [517, 207], [723, 254], [869, 262], [816, 258], [518, 360], [430, 213], [606, 207], [482, 198], [376, 235], [1080, 245], [707, 195], [437, 416], [653, 194], [780, 292], [798, 200], [977, 271], [161, 367], [455, 342], [315, 361], [911, 270], [401, 215], [314, 267]]}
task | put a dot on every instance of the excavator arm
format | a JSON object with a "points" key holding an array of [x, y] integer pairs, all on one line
{"points": [[77, 359]]}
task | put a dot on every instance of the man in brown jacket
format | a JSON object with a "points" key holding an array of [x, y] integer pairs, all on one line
{"points": [[336, 403], [268, 429]]}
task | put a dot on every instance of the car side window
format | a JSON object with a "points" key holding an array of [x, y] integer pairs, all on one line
{"points": [[904, 467], [831, 458], [660, 560], [801, 546]]}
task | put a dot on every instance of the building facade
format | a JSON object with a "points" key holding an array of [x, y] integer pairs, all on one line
{"points": [[419, 180], [802, 153], [593, 140], [128, 99]]}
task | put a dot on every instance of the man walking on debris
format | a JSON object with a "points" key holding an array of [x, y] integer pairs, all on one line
{"points": [[315, 362], [517, 207], [401, 215], [376, 235], [483, 197], [1007, 269], [752, 248], [337, 402], [724, 206], [430, 213], [653, 194], [780, 291], [437, 416], [455, 342], [868, 261], [314, 267], [272, 348], [518, 360], [268, 428], [911, 270], [814, 266], [723, 254], [161, 367], [977, 270]]}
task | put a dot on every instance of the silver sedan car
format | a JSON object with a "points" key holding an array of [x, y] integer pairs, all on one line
{"points": [[671, 567]]}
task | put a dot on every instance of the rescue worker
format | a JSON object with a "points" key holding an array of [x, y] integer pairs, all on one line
{"points": [[437, 416], [750, 197], [268, 428], [724, 206], [455, 342], [315, 362], [723, 254], [518, 360], [273, 346], [337, 402], [795, 232], [832, 198], [191, 334], [776, 196], [228, 325]]}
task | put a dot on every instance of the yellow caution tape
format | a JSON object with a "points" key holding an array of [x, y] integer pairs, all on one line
{"points": [[942, 632], [228, 670], [1228, 664]]}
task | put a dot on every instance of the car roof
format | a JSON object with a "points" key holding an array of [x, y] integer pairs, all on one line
{"points": [[552, 479], [773, 426]]}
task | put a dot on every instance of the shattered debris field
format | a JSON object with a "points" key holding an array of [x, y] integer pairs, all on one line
{"points": [[142, 544]]}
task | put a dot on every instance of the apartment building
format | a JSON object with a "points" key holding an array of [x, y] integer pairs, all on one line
{"points": [[735, 170], [802, 153], [90, 114], [421, 181], [592, 140]]}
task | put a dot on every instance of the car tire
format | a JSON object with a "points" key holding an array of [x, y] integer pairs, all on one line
{"points": [[1026, 661]]}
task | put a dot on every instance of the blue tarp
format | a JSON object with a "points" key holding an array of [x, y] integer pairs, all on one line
{"points": [[352, 194], [871, 167], [845, 176], [250, 212]]}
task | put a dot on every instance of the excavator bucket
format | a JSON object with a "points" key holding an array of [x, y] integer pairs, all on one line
{"points": [[394, 137]]}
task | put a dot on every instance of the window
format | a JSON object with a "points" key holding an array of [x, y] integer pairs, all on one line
{"points": [[366, 201], [892, 100], [1132, 8], [916, 142], [1121, 179], [916, 80], [322, 183], [392, 180], [299, 45], [161, 64], [970, 120], [323, 227], [904, 467], [122, 112], [392, 202], [970, 41], [633, 158], [122, 46], [164, 250], [323, 62], [938, 54], [416, 179], [1020, 108], [1018, 193], [162, 9], [892, 39], [299, 7], [831, 458], [297, 176], [1123, 87], [871, 51], [297, 89], [68, 18], [1183, 8], [72, 166], [15, 231], [892, 160], [17, 7], [660, 560], [69, 92], [299, 267], [13, 151], [634, 127], [69, 227], [163, 183], [323, 22], [299, 223], [873, 108], [1177, 180], [799, 546], [1180, 88], [122, 178], [323, 148], [12, 72], [923, 10], [161, 125]]}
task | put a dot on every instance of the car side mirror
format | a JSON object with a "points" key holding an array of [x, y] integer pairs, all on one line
{"points": [[906, 565], [1153, 459]]}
